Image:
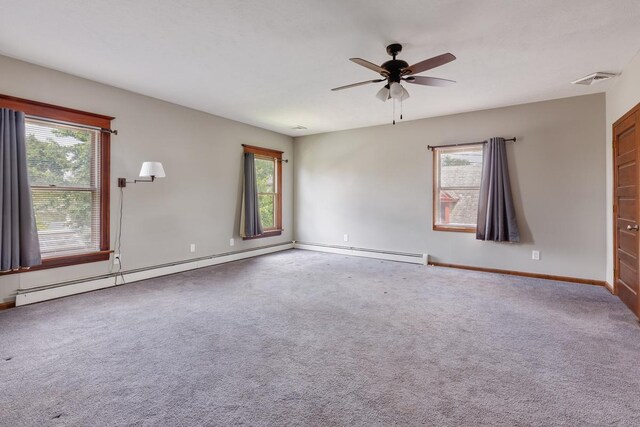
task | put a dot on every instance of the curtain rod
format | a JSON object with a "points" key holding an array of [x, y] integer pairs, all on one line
{"points": [[431, 147], [61, 122]]}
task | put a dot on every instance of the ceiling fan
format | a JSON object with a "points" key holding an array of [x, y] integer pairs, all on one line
{"points": [[396, 71]]}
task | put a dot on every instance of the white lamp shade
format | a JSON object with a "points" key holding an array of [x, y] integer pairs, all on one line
{"points": [[396, 91], [383, 94], [154, 169], [405, 94]]}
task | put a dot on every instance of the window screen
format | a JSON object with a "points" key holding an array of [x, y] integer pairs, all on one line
{"points": [[266, 180], [457, 186], [64, 170]]}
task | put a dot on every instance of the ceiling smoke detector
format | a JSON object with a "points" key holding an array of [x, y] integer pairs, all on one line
{"points": [[298, 127], [593, 78]]}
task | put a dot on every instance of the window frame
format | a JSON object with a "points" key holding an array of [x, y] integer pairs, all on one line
{"points": [[70, 116], [436, 192], [277, 157]]}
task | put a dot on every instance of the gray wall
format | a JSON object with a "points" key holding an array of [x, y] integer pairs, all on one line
{"points": [[623, 94], [372, 183], [376, 185], [198, 202]]}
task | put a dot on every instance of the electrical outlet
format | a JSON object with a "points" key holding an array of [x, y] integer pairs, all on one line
{"points": [[192, 248], [232, 242], [116, 258], [346, 237], [535, 255]]}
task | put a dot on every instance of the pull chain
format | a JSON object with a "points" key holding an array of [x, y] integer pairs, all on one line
{"points": [[394, 111], [401, 99]]}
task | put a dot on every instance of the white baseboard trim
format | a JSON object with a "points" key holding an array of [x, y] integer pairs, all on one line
{"points": [[59, 290], [29, 297], [363, 252]]}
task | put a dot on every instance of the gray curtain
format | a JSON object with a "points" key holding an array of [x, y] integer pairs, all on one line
{"points": [[19, 245], [496, 213], [250, 224]]}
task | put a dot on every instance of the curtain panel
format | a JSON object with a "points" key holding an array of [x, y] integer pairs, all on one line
{"points": [[19, 244], [496, 212], [250, 225]]}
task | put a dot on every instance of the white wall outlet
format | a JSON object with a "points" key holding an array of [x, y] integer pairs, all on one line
{"points": [[346, 237], [192, 247], [116, 258], [535, 255], [232, 242]]}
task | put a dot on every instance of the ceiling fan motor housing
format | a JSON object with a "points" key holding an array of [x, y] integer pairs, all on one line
{"points": [[394, 66]]}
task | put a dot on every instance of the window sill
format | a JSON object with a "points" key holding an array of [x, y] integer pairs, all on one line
{"points": [[269, 233], [64, 261], [460, 229]]}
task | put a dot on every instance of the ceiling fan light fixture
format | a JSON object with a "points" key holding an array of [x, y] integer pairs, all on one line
{"points": [[405, 94], [383, 93], [396, 70], [396, 90]]}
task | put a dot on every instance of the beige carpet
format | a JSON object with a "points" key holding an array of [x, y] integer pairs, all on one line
{"points": [[304, 338]]}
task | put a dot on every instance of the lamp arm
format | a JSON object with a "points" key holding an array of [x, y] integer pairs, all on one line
{"points": [[153, 178], [122, 182]]}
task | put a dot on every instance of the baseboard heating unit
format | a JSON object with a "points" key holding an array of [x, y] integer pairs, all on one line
{"points": [[58, 290], [363, 252]]}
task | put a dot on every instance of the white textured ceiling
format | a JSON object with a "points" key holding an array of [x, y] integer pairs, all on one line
{"points": [[272, 63]]}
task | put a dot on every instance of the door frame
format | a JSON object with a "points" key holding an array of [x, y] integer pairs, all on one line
{"points": [[632, 111]]}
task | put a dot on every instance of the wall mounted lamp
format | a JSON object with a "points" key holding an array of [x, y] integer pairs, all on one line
{"points": [[151, 170]]}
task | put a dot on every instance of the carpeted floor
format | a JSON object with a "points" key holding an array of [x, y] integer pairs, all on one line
{"points": [[304, 338]]}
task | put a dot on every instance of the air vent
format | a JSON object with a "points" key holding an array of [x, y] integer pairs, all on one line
{"points": [[593, 78]]}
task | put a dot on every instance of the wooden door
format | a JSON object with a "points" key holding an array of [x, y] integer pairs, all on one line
{"points": [[626, 148]]}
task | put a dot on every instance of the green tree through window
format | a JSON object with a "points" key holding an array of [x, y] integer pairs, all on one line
{"points": [[266, 180], [64, 177]]}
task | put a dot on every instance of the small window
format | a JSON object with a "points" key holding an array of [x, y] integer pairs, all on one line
{"points": [[457, 174], [68, 164], [269, 183]]}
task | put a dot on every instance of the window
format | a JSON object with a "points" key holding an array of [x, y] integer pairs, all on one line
{"points": [[68, 164], [269, 182], [457, 174]]}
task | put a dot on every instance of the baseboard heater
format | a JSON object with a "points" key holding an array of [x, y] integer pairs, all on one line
{"points": [[62, 289], [364, 252]]}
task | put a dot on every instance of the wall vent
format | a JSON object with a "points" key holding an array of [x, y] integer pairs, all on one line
{"points": [[593, 78]]}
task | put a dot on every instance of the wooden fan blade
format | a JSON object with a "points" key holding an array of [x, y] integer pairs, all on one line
{"points": [[358, 84], [428, 64], [428, 81], [369, 65]]}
